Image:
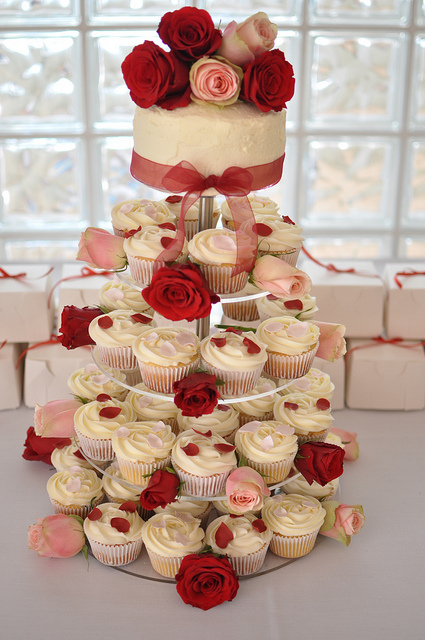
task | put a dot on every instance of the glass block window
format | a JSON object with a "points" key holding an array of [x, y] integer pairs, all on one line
{"points": [[354, 171]]}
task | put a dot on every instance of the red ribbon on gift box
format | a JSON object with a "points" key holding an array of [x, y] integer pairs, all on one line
{"points": [[54, 339], [86, 272], [332, 267], [4, 274], [379, 340], [408, 272]]}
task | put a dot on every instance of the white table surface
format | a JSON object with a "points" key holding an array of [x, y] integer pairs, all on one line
{"points": [[373, 589]]}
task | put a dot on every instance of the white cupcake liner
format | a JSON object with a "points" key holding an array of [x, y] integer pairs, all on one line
{"points": [[134, 471], [290, 256], [320, 436], [236, 382], [118, 232], [244, 418], [191, 226], [243, 311], [220, 278], [292, 546], [164, 565], [289, 367], [245, 565], [272, 472], [75, 510], [116, 555], [117, 357], [161, 379], [142, 269], [97, 449], [205, 486]]}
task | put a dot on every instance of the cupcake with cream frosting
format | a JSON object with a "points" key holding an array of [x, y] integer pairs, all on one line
{"points": [[223, 420], [200, 509], [262, 207], [236, 358], [314, 383], [151, 408], [203, 462], [75, 491], [95, 422], [114, 532], [257, 408], [165, 355], [89, 381], [295, 521], [131, 214], [114, 334], [69, 456], [244, 540], [141, 448], [174, 202], [117, 294], [168, 538], [280, 237], [269, 447], [118, 491], [291, 346], [271, 306], [310, 417], [296, 483]]}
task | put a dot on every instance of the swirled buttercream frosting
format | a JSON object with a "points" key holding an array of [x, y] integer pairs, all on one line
{"points": [[293, 514], [233, 352], [93, 421], [301, 412], [246, 538], [315, 383], [288, 336], [268, 441], [132, 214], [223, 420], [103, 531], [89, 381], [208, 460], [173, 535], [121, 333], [75, 486], [148, 243], [146, 442], [121, 295], [166, 346], [272, 307]]}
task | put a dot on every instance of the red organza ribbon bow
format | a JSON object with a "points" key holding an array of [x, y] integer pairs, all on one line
{"points": [[408, 272]]}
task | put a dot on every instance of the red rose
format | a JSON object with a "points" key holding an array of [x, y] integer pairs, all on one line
{"points": [[155, 76], [268, 81], [205, 581], [180, 292], [38, 448], [319, 461], [190, 33], [75, 326], [196, 394], [162, 489]]}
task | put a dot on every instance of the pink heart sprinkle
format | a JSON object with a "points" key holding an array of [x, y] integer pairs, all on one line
{"points": [[274, 327], [75, 469], [144, 401], [285, 429], [181, 538], [297, 330], [102, 379], [125, 208], [224, 243], [122, 432], [250, 427], [302, 383], [90, 368], [159, 426], [114, 294], [154, 441], [168, 350], [74, 485], [280, 512], [267, 443], [185, 338]]}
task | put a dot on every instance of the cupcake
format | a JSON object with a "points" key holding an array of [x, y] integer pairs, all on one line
{"points": [[295, 521], [262, 207], [88, 382], [169, 538], [75, 491], [203, 462], [223, 421], [296, 483], [117, 489], [268, 447], [143, 248], [141, 448], [132, 214], [257, 408], [245, 542], [95, 422], [117, 294], [192, 215], [149, 408], [310, 418], [199, 509], [291, 346], [244, 311], [69, 456], [314, 383], [271, 306], [215, 253], [282, 239], [114, 543], [114, 334], [235, 358], [165, 355]]}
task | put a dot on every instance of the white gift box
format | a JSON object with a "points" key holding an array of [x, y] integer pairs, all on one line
{"points": [[80, 292], [10, 376], [405, 306], [354, 300], [24, 315], [47, 369], [385, 376], [336, 371]]}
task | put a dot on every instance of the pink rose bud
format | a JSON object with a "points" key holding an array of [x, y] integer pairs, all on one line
{"points": [[245, 490], [351, 446], [216, 81], [56, 418], [279, 278], [243, 42], [342, 521], [57, 536], [101, 249], [331, 341]]}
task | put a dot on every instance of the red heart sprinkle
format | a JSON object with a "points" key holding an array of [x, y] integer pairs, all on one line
{"points": [[233, 330], [290, 405], [233, 515], [252, 347], [219, 342], [174, 199], [79, 455], [120, 524], [223, 407], [223, 536], [166, 241], [105, 322], [259, 525], [103, 397], [131, 232], [262, 229], [191, 449], [207, 434], [288, 220], [109, 412], [128, 506], [167, 225], [140, 317], [95, 514], [323, 404], [270, 296], [224, 448], [294, 304]]}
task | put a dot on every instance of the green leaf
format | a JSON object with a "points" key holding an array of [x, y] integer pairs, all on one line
{"points": [[235, 326], [82, 400]]}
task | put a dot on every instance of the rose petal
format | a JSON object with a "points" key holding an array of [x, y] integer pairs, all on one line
{"points": [[79, 455], [307, 503], [223, 407], [103, 397], [98, 380], [174, 199], [185, 338], [125, 208], [159, 426], [233, 330], [150, 337], [224, 243], [144, 401], [142, 318], [74, 485], [265, 387], [252, 347], [284, 429], [105, 322], [191, 449], [75, 469], [128, 506], [224, 448], [270, 296], [154, 442], [297, 330], [290, 405], [288, 220], [181, 538], [120, 524], [293, 304], [90, 368], [110, 412], [267, 443], [323, 404], [250, 427], [302, 383], [315, 373], [219, 342], [280, 512], [168, 350], [223, 536], [95, 514], [114, 294], [122, 432], [185, 517], [259, 525], [274, 327], [159, 524], [207, 434], [262, 229], [166, 241]]}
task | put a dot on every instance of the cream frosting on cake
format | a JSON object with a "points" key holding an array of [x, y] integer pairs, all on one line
{"points": [[223, 420], [90, 423], [147, 442], [301, 412], [74, 486], [89, 381], [167, 346], [281, 335], [146, 243], [63, 459], [268, 441], [315, 383], [116, 489], [271, 307], [262, 206], [293, 514], [149, 408], [258, 406], [208, 460], [173, 535], [122, 333], [122, 295], [101, 530], [246, 539], [298, 484], [234, 354], [132, 214]]}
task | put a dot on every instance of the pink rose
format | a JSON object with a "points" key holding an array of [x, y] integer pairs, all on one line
{"points": [[101, 250], [56, 418], [342, 521], [279, 278], [351, 446], [331, 341], [58, 536], [245, 490], [215, 80], [243, 42]]}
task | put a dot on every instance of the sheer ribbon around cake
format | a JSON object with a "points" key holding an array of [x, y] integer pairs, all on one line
{"points": [[235, 184]]}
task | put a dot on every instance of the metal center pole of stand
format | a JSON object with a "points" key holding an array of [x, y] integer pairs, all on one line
{"points": [[205, 221]]}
